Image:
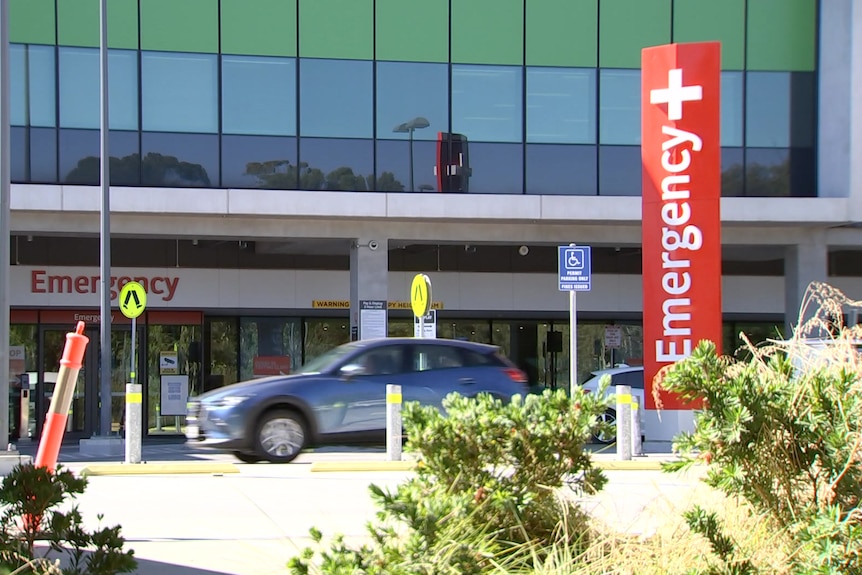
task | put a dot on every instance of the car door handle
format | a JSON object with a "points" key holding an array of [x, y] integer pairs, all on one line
{"points": [[466, 381]]}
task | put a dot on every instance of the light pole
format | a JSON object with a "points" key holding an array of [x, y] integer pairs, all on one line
{"points": [[5, 193], [409, 127], [105, 233]]}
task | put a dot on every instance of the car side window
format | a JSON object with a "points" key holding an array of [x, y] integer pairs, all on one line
{"points": [[382, 360], [427, 357], [473, 359], [634, 379]]}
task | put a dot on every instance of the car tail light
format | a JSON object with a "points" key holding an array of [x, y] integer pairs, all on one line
{"points": [[516, 374]]}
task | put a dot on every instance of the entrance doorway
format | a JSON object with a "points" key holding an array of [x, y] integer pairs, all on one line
{"points": [[84, 414]]}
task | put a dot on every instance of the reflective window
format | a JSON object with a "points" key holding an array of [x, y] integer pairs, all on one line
{"points": [[561, 105], [561, 170], [408, 92], [258, 95], [79, 157], [487, 103], [620, 171], [43, 155], [335, 164], [620, 107], [780, 109], [179, 92], [32, 95], [732, 172], [731, 108], [80, 91], [258, 162], [18, 154], [394, 172], [336, 98], [780, 172], [495, 168], [269, 346], [179, 160]]}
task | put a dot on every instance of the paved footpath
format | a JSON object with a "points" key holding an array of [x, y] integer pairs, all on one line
{"points": [[241, 519]]}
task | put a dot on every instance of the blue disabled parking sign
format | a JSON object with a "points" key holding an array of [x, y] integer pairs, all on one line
{"points": [[575, 267]]}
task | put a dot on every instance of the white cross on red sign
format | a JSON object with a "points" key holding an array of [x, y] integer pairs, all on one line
{"points": [[675, 94]]}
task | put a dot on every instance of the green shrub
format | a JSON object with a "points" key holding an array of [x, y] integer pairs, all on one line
{"points": [[785, 438], [487, 483], [29, 499]]}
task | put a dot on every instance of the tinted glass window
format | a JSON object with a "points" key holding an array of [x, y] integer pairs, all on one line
{"points": [[179, 92], [407, 91], [780, 111], [179, 160], [259, 162], [487, 103], [561, 105], [18, 154], [394, 170], [382, 360], [732, 172], [79, 157], [335, 164], [561, 169], [336, 98], [732, 89], [33, 89], [80, 91], [620, 109], [427, 357], [620, 171], [474, 359], [258, 95], [496, 168], [43, 155], [780, 172], [634, 379]]}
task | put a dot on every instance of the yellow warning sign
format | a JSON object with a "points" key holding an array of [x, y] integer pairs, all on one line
{"points": [[420, 295], [133, 300]]}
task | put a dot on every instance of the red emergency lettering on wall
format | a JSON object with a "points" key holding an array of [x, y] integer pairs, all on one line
{"points": [[680, 148]]}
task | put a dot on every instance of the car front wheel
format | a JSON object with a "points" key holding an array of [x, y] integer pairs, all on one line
{"points": [[281, 436], [609, 419]]}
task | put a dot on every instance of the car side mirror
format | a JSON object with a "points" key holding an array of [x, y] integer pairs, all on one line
{"points": [[351, 370]]}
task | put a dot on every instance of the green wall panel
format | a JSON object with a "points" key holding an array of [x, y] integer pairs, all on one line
{"points": [[179, 25], [244, 31], [337, 29], [31, 22], [488, 31], [562, 33], [782, 34], [413, 31], [704, 20], [627, 26], [78, 23]]}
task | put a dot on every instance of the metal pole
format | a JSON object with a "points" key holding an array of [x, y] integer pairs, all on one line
{"points": [[573, 342], [624, 422], [105, 234], [393, 422], [5, 236], [133, 408], [637, 433]]}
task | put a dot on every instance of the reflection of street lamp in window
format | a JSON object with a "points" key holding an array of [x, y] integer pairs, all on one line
{"points": [[409, 127]]}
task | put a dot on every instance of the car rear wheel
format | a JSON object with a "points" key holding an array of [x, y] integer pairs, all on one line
{"points": [[247, 457], [609, 418], [280, 436]]}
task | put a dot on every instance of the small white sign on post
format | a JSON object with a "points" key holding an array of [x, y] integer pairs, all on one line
{"points": [[613, 336], [175, 394], [428, 325]]}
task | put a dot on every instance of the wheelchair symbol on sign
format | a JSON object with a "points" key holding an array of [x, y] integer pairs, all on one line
{"points": [[574, 259]]}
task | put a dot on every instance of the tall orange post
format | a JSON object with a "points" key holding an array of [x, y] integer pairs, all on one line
{"points": [[61, 400]]}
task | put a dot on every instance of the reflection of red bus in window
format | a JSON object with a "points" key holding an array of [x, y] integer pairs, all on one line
{"points": [[453, 163]]}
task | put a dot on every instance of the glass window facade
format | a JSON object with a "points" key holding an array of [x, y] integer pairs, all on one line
{"points": [[343, 95]]}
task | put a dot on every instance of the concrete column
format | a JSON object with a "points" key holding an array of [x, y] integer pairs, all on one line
{"points": [[369, 282], [804, 263]]}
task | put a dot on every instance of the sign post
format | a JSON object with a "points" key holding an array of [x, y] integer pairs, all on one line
{"points": [[420, 299], [574, 265], [133, 302]]}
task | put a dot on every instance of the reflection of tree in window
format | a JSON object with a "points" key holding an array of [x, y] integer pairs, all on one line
{"points": [[282, 175], [759, 180], [166, 170]]}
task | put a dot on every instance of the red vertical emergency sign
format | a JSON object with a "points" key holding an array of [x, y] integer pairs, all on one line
{"points": [[681, 153]]}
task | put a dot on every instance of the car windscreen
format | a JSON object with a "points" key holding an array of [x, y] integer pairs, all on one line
{"points": [[323, 362]]}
